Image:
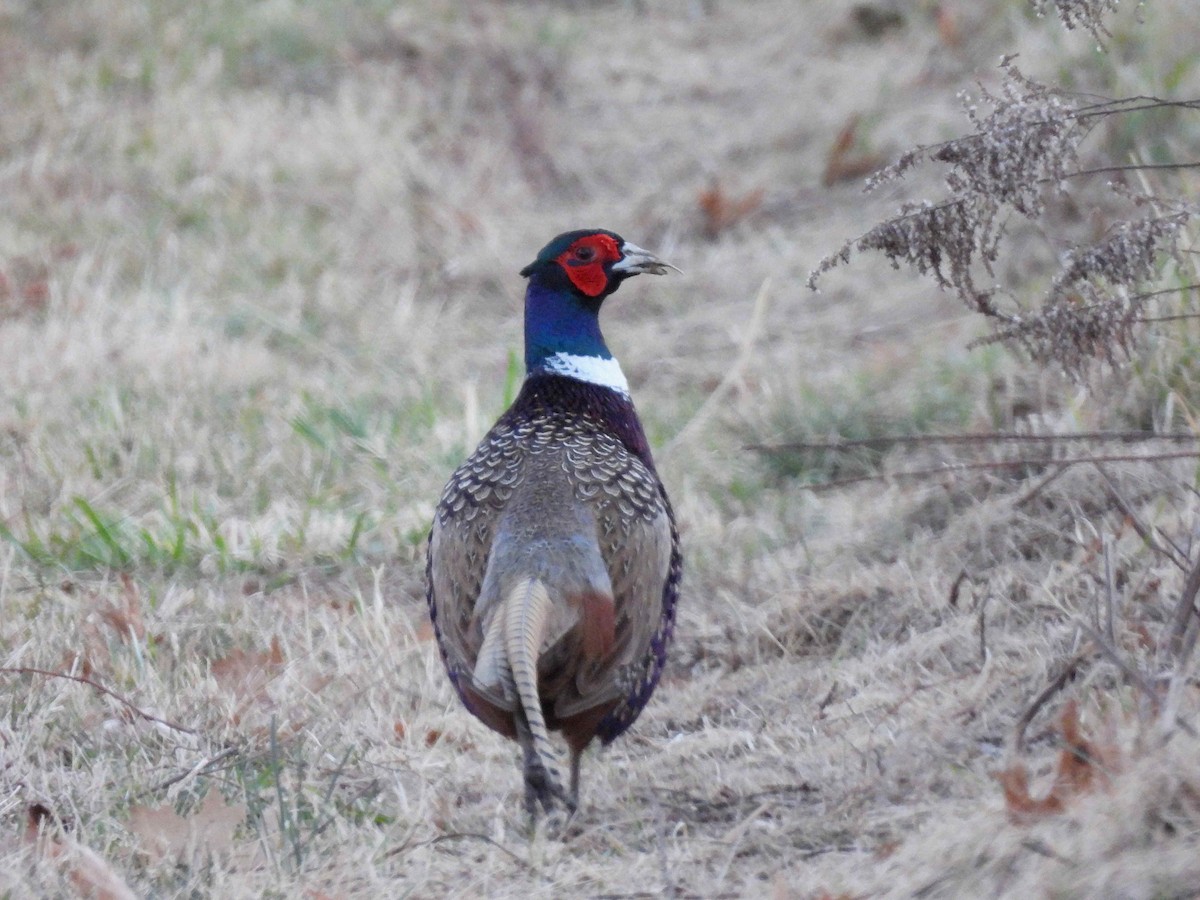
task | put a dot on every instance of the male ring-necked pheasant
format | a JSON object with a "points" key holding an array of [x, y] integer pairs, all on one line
{"points": [[554, 561]]}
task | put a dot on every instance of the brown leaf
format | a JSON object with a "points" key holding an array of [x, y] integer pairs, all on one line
{"points": [[246, 673], [721, 210], [1022, 807], [841, 165], [90, 658], [886, 849], [24, 288], [125, 617], [164, 833], [91, 875], [1138, 637], [1079, 761], [1082, 766]]}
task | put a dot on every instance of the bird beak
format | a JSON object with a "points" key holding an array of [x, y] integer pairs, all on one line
{"points": [[636, 261]]}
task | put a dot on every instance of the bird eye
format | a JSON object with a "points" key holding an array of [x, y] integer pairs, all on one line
{"points": [[585, 253]]}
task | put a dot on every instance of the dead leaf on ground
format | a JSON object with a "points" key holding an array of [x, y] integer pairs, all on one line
{"points": [[91, 875], [24, 287], [842, 164], [89, 659], [1083, 765], [1022, 806], [124, 616], [164, 833], [246, 673], [92, 654], [721, 210]]}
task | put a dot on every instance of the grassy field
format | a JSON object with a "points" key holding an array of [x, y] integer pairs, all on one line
{"points": [[258, 297]]}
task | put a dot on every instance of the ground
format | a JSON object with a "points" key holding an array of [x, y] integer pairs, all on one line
{"points": [[259, 296]]}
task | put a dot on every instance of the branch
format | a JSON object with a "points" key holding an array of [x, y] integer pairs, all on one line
{"points": [[984, 438], [1147, 536], [1113, 107], [1133, 167], [81, 679], [204, 767], [953, 468], [462, 836], [1182, 625], [1057, 683], [1136, 677], [1176, 318]]}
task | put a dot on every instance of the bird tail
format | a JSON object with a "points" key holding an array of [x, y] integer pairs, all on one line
{"points": [[526, 613]]}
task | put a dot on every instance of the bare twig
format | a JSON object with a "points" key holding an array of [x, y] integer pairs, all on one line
{"points": [[952, 468], [81, 679], [1180, 552], [670, 888], [1057, 683], [1138, 525], [470, 836], [1109, 593], [1138, 678], [994, 437], [1184, 620], [1041, 848], [827, 699], [956, 587], [983, 648], [1039, 487], [201, 768], [1125, 105], [1133, 167], [1146, 295], [1149, 320]]}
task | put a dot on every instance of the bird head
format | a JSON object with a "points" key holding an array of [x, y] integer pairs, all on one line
{"points": [[592, 263]]}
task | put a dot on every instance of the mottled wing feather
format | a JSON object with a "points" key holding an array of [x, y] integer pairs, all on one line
{"points": [[463, 529], [634, 537], [639, 679]]}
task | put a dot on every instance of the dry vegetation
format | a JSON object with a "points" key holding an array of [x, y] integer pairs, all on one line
{"points": [[258, 295]]}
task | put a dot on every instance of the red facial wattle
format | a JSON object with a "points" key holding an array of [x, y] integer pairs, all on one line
{"points": [[586, 261]]}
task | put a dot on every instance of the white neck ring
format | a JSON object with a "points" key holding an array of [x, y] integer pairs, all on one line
{"points": [[604, 371]]}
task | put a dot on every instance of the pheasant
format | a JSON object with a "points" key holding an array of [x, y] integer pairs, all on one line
{"points": [[553, 564]]}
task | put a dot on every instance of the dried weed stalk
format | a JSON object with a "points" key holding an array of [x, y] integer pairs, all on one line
{"points": [[1022, 152], [1085, 14]]}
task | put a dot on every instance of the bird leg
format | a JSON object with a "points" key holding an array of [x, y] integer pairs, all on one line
{"points": [[573, 795]]}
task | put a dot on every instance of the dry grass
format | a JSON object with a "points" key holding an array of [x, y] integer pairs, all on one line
{"points": [[259, 296]]}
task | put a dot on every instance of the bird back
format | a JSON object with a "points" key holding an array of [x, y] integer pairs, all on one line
{"points": [[563, 491]]}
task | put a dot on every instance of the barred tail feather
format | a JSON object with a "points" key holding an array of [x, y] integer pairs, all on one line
{"points": [[526, 611]]}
